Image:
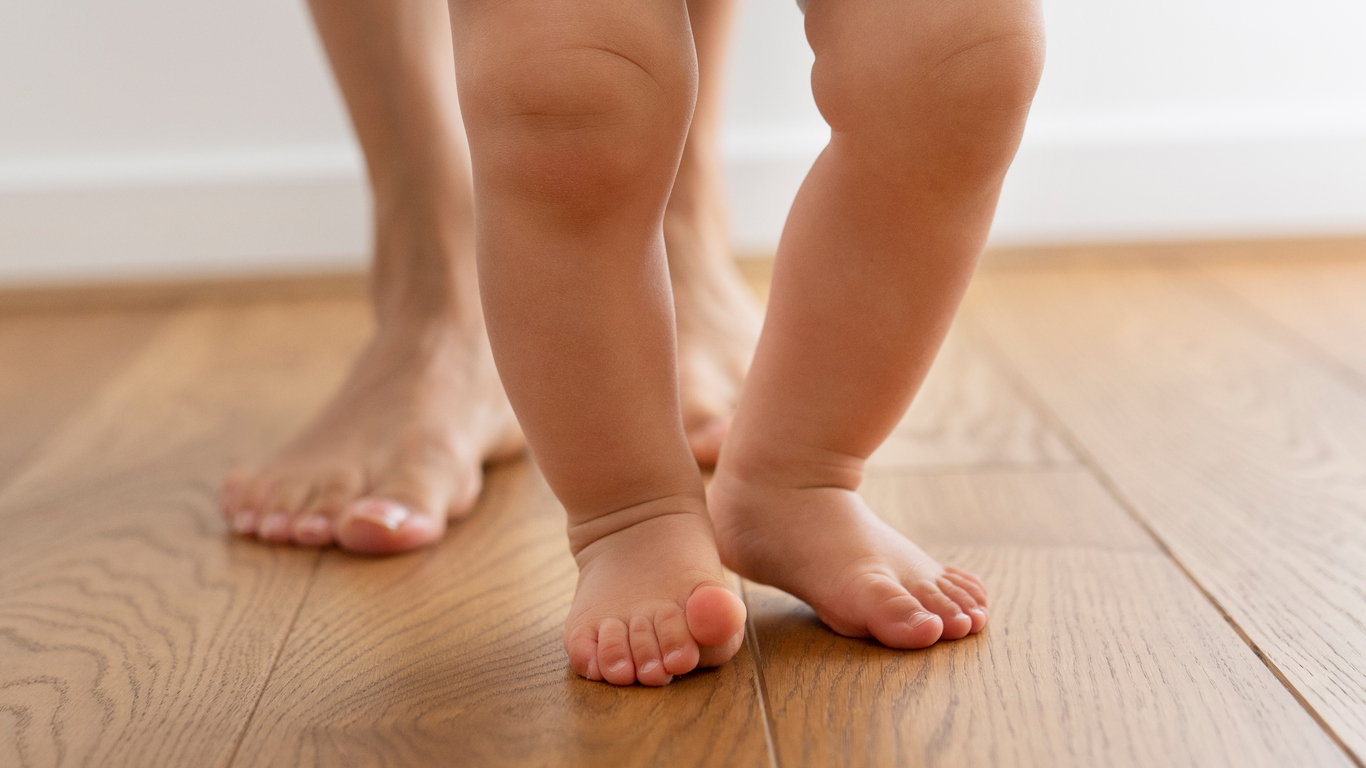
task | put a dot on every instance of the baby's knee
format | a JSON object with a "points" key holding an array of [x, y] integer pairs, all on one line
{"points": [[899, 72], [578, 121]]}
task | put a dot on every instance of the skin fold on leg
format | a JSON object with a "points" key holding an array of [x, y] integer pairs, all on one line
{"points": [[577, 114], [926, 102]]}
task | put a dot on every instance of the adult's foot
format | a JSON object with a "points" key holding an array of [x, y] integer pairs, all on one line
{"points": [[652, 600], [862, 577], [401, 447], [718, 316]]}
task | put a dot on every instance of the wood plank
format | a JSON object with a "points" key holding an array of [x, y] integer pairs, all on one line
{"points": [[1170, 251], [967, 414], [1099, 650], [51, 363], [1245, 457], [133, 629], [1321, 300], [456, 651], [184, 292]]}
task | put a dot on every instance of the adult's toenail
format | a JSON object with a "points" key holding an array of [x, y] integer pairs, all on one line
{"points": [[244, 522], [387, 514], [620, 665]]}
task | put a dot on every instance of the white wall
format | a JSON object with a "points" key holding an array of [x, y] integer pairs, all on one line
{"points": [[151, 137]]}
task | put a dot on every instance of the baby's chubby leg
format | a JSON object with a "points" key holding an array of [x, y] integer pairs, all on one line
{"points": [[926, 101], [576, 114]]}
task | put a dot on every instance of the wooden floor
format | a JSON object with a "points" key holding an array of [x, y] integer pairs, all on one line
{"points": [[1157, 464]]}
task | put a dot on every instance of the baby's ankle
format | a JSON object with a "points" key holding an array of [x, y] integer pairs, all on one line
{"points": [[788, 465], [587, 529]]}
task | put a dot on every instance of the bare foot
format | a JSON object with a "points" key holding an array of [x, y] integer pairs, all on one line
{"points": [[652, 600], [718, 320], [862, 577], [401, 447]]}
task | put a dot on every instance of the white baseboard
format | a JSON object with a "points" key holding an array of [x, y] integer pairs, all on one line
{"points": [[1121, 181], [183, 215], [295, 209]]}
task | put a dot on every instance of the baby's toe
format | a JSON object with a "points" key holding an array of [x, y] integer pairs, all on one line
{"points": [[894, 617], [680, 653], [957, 623], [582, 647], [965, 600], [715, 615], [969, 583], [645, 653], [614, 653]]}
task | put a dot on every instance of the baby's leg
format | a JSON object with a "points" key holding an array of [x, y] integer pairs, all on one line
{"points": [[927, 101], [576, 114]]}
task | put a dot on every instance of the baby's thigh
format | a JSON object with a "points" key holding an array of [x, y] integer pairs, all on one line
{"points": [[891, 63]]}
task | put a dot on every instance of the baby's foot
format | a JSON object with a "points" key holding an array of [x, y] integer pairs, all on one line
{"points": [[652, 600], [862, 577], [398, 450]]}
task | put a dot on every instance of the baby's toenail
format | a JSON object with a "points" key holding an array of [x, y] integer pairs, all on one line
{"points": [[244, 522], [672, 657], [649, 666], [920, 617], [620, 665]]}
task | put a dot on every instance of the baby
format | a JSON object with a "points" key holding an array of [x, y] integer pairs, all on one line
{"points": [[577, 113]]}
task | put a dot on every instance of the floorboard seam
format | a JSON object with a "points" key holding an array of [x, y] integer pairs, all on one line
{"points": [[1054, 422], [770, 728], [994, 467], [1287, 337], [31, 456], [275, 662]]}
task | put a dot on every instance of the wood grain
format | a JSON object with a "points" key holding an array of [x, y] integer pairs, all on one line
{"points": [[51, 363], [453, 655], [1322, 301], [1244, 456], [133, 629], [1099, 650], [184, 293], [966, 414]]}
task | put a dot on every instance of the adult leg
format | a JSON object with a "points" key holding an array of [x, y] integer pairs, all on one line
{"points": [[400, 448], [926, 101], [577, 113], [718, 316]]}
